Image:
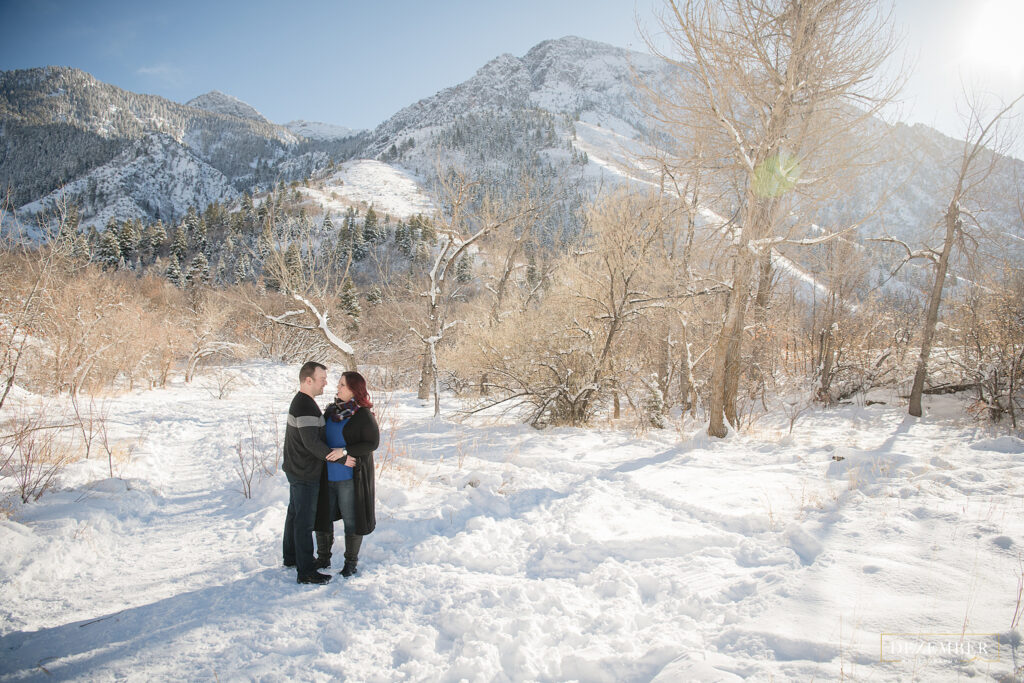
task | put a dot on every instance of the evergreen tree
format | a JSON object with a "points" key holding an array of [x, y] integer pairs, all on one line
{"points": [[374, 296], [179, 246], [654, 406], [108, 252], [422, 254], [265, 242], [532, 274], [173, 271], [200, 237], [242, 269], [464, 269], [426, 228], [248, 211], [198, 271], [153, 238], [128, 238], [351, 214], [293, 266], [222, 271], [349, 299], [402, 239], [238, 223], [191, 220], [261, 216], [80, 249], [328, 225], [370, 229], [67, 234], [359, 247]]}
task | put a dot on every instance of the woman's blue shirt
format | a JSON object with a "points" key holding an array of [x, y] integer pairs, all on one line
{"points": [[335, 439]]}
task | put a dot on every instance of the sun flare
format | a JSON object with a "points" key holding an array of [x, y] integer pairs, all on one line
{"points": [[993, 38]]}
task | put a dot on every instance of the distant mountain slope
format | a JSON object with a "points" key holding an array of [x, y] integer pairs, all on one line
{"points": [[314, 130], [572, 96], [59, 122], [571, 77], [153, 177]]}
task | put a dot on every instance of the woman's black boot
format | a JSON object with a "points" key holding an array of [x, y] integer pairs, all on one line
{"points": [[324, 541], [352, 543]]}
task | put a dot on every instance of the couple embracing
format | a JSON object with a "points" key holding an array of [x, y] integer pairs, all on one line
{"points": [[328, 459]]}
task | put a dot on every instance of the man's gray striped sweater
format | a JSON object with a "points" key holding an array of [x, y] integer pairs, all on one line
{"points": [[305, 448]]}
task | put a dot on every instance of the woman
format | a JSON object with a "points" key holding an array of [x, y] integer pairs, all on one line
{"points": [[349, 488]]}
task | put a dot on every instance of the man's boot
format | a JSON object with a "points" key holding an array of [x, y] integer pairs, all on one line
{"points": [[352, 543], [324, 541]]}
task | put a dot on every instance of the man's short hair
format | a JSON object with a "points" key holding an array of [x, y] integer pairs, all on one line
{"points": [[308, 369]]}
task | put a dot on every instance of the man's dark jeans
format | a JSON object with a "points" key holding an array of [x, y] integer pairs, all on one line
{"points": [[299, 522]]}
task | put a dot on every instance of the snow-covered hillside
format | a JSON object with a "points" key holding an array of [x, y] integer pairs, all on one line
{"points": [[370, 183], [219, 103], [155, 176], [506, 553], [314, 130]]}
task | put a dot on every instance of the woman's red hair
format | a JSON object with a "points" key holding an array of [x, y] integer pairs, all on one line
{"points": [[356, 383]]}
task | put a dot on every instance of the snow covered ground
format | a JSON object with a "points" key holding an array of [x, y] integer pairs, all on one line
{"points": [[504, 554]]}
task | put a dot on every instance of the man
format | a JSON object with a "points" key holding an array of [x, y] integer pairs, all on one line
{"points": [[304, 454]]}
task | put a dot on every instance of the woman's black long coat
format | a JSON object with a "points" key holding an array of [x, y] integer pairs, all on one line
{"points": [[362, 436]]}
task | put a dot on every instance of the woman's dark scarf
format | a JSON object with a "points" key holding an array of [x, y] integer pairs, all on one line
{"points": [[341, 410]]}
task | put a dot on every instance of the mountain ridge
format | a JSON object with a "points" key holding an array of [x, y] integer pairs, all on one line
{"points": [[220, 103], [569, 107]]}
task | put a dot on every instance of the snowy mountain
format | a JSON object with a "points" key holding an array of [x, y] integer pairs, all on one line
{"points": [[570, 77], [219, 103], [588, 92], [60, 125]]}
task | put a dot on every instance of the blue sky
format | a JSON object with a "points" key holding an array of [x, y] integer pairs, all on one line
{"points": [[356, 63], [350, 63]]}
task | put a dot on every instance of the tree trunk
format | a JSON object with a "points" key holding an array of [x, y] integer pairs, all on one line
{"points": [[437, 379], [953, 221], [687, 391], [825, 366], [760, 365], [727, 349], [423, 389], [665, 367], [734, 366]]}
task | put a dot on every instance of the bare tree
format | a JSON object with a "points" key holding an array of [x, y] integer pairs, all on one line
{"points": [[41, 262], [977, 163], [466, 219], [310, 268], [773, 87], [579, 347]]}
